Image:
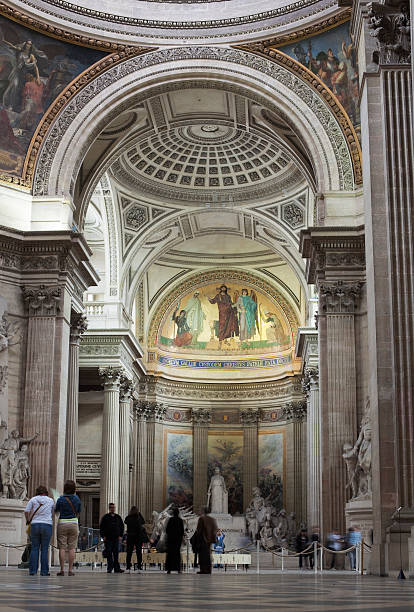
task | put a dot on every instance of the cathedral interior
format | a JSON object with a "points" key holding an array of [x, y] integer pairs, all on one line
{"points": [[206, 260]]}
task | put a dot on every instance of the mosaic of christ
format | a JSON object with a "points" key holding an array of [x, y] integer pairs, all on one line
{"points": [[226, 317]]}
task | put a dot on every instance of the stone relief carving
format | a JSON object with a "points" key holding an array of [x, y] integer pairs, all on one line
{"points": [[357, 458], [4, 373], [42, 301], [295, 411], [14, 464], [40, 263], [356, 260], [392, 33], [293, 215], [135, 217], [339, 296], [9, 333], [249, 416]]}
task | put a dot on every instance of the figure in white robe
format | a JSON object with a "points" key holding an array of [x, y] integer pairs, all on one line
{"points": [[217, 494]]}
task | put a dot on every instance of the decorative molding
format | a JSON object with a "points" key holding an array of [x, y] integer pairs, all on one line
{"points": [[57, 32], [277, 65], [201, 416], [42, 301], [178, 416], [294, 411], [391, 30], [339, 297]]}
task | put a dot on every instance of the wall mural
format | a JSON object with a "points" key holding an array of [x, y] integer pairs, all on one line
{"points": [[225, 317], [332, 57], [34, 70], [225, 450], [271, 464], [178, 467]]}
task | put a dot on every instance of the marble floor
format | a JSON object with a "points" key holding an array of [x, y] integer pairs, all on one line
{"points": [[240, 592]]}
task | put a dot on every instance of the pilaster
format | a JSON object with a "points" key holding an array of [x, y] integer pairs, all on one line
{"points": [[201, 420], [125, 398], [249, 419], [295, 416]]}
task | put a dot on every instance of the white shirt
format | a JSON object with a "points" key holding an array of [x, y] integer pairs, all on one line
{"points": [[44, 514]]}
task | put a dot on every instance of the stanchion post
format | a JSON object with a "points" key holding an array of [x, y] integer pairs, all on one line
{"points": [[257, 556], [7, 556], [283, 558], [361, 562], [315, 556], [321, 565]]}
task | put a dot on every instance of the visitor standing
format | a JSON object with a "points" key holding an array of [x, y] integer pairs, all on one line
{"points": [[69, 506], [135, 536], [315, 537], [353, 537], [302, 542], [39, 513], [334, 543], [175, 533], [206, 536], [112, 529]]}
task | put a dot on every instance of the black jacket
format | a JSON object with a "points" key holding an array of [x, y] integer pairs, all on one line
{"points": [[134, 523], [111, 526]]}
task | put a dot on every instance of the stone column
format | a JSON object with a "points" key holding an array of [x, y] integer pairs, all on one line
{"points": [[249, 418], [337, 305], [159, 491], [125, 398], [295, 415], [109, 492], [78, 326], [46, 338], [201, 420], [141, 415], [313, 447]]}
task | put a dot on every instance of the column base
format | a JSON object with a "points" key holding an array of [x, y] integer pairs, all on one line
{"points": [[12, 529], [399, 531]]}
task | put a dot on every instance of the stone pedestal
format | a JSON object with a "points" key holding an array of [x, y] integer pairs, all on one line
{"points": [[12, 529], [358, 513]]}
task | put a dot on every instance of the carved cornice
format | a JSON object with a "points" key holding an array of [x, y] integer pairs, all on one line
{"points": [[42, 301], [339, 297], [78, 326], [201, 416], [295, 411], [391, 29], [111, 376], [249, 416]]}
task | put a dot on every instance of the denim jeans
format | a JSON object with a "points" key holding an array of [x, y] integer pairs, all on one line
{"points": [[40, 534]]}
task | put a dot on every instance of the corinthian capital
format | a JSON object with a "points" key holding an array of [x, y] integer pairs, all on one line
{"points": [[78, 326], [294, 411], [310, 379], [126, 389], [201, 416], [339, 297], [111, 375], [42, 301], [249, 416]]}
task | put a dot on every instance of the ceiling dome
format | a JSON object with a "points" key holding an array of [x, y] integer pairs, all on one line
{"points": [[187, 163]]}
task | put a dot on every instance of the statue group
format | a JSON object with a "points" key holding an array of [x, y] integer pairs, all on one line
{"points": [[14, 464], [274, 529]]}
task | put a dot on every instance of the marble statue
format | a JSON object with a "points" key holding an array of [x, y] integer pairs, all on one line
{"points": [[255, 514], [14, 465], [217, 495], [159, 525], [281, 531], [8, 333], [358, 459], [267, 539]]}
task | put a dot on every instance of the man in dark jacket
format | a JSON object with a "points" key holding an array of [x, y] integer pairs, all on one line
{"points": [[112, 530]]}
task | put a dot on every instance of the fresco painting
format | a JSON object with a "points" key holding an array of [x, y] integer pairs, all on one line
{"points": [[34, 70], [226, 317], [179, 468], [331, 55], [225, 450], [271, 466]]}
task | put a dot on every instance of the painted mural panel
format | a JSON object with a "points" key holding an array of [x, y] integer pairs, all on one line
{"points": [[178, 468], [225, 450], [331, 55], [34, 69], [219, 317], [271, 466]]}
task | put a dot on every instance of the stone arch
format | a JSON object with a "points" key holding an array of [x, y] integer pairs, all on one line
{"points": [[285, 84]]}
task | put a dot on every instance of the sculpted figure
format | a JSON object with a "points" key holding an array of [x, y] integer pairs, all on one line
{"points": [[266, 535], [13, 449], [255, 513], [358, 459], [217, 494], [350, 459], [281, 531]]}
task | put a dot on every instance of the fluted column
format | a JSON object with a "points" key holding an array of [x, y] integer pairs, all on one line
{"points": [[43, 305], [313, 447], [78, 326], [109, 492], [249, 417], [201, 419], [295, 415], [154, 493], [337, 305], [125, 398], [141, 415]]}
